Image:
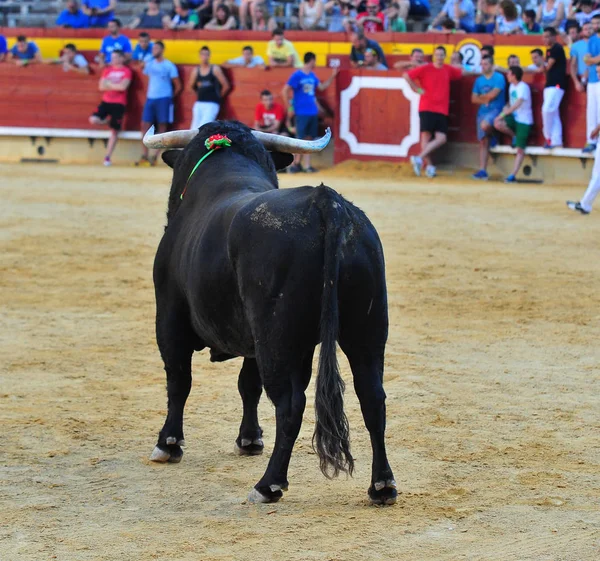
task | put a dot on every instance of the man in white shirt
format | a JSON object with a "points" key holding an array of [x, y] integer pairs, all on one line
{"points": [[516, 118], [247, 60]]}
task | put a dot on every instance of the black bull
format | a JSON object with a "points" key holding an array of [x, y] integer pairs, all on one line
{"points": [[252, 271]]}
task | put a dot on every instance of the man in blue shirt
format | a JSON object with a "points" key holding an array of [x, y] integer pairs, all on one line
{"points": [[114, 42], [163, 85], [489, 92], [462, 11], [3, 48], [25, 52], [73, 17], [100, 12], [578, 70], [302, 84], [143, 50]]}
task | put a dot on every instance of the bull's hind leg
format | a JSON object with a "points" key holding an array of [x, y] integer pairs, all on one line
{"points": [[285, 383], [249, 442], [175, 341], [367, 370]]}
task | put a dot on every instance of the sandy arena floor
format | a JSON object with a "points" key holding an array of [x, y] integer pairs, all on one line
{"points": [[492, 378]]}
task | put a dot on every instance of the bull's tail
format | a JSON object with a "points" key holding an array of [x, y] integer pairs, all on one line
{"points": [[332, 432]]}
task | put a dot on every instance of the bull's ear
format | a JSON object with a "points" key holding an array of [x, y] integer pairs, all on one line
{"points": [[281, 160], [170, 157]]}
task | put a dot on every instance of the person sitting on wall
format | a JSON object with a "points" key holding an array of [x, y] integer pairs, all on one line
{"points": [[100, 12], [151, 18], [184, 18], [461, 11], [115, 41], [247, 60], [25, 52], [269, 116], [282, 52], [417, 58], [359, 45], [72, 17], [223, 20]]}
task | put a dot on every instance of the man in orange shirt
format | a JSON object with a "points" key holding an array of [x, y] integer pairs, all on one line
{"points": [[434, 79], [268, 115], [114, 82]]}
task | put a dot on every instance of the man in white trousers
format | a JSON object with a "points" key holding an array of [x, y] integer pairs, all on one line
{"points": [[593, 86], [554, 91], [584, 206]]}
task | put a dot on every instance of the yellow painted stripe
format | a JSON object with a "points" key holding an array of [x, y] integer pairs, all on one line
{"points": [[186, 52]]}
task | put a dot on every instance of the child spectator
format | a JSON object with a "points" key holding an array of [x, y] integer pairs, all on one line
{"points": [[529, 25], [341, 15], [262, 20], [151, 18], [100, 12], [372, 61], [184, 18], [114, 42], [223, 19], [211, 86], [114, 82], [538, 64], [247, 60], [556, 82], [72, 17], [25, 52], [394, 21], [268, 115], [3, 48], [489, 92], [143, 50], [516, 118], [163, 86], [311, 15], [507, 23], [359, 45], [281, 52], [373, 20], [461, 11], [303, 85], [434, 105]]}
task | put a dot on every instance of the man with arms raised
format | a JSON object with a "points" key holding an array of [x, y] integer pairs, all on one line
{"points": [[516, 118], [489, 92], [434, 79]]}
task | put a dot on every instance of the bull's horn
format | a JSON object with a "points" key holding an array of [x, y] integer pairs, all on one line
{"points": [[292, 145], [173, 139]]}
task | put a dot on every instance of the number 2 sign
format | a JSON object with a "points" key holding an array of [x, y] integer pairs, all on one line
{"points": [[470, 49]]}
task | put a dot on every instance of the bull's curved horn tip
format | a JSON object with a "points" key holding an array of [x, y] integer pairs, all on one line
{"points": [[149, 133]]}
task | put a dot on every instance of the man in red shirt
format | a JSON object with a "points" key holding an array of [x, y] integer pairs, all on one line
{"points": [[114, 82], [372, 20], [434, 88], [268, 115]]}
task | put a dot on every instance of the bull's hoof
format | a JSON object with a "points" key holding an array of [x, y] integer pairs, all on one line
{"points": [[247, 447], [171, 453], [383, 492], [269, 494]]}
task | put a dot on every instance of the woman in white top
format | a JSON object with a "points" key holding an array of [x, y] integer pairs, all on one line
{"points": [[551, 13], [311, 15], [508, 22]]}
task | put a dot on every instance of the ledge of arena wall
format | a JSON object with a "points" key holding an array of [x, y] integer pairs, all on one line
{"points": [[182, 47]]}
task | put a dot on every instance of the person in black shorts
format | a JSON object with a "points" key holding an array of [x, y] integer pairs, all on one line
{"points": [[114, 83]]}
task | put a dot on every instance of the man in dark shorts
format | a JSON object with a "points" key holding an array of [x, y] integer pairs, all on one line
{"points": [[303, 84], [114, 82], [434, 79]]}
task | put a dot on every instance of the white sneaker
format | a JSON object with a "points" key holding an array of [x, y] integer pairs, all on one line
{"points": [[417, 164], [430, 171], [107, 162]]}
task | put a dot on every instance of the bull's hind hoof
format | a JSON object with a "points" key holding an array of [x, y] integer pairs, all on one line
{"points": [[266, 494], [171, 453], [247, 447], [383, 492]]}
